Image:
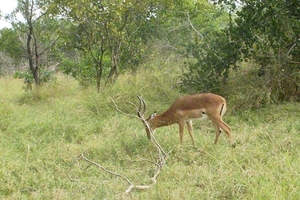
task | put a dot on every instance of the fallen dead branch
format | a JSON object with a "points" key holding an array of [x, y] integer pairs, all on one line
{"points": [[160, 163]]}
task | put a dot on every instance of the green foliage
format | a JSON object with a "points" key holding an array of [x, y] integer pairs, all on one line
{"points": [[34, 38], [27, 77], [120, 31], [109, 30], [80, 69], [252, 55], [271, 40], [262, 32], [9, 44], [182, 22], [44, 76], [214, 57]]}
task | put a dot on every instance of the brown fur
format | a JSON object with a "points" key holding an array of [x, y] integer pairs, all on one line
{"points": [[186, 108]]}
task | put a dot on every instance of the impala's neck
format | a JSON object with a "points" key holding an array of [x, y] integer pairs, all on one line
{"points": [[163, 119]]}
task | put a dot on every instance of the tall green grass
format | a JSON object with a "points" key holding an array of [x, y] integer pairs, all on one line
{"points": [[42, 132]]}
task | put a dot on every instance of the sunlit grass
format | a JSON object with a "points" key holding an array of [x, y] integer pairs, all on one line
{"points": [[42, 133]]}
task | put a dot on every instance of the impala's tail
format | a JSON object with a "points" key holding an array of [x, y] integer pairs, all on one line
{"points": [[223, 109]]}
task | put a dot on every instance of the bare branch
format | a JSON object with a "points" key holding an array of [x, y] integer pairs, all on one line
{"points": [[132, 186], [117, 108], [143, 160], [104, 169], [289, 51], [161, 161], [71, 179], [191, 24], [50, 46]]}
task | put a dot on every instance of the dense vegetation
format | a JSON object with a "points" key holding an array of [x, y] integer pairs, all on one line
{"points": [[96, 41], [62, 67]]}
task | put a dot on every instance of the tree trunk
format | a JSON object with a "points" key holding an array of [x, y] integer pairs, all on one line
{"points": [[115, 60], [33, 65]]}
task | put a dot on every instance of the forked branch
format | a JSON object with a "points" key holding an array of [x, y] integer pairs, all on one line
{"points": [[161, 160]]}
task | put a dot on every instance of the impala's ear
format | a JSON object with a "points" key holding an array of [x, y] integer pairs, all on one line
{"points": [[153, 115]]}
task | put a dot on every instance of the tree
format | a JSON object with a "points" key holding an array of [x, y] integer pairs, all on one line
{"points": [[104, 32], [264, 32], [38, 33], [214, 57], [208, 47], [270, 32]]}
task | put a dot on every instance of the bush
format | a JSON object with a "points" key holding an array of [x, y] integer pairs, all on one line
{"points": [[45, 77], [213, 58], [246, 89]]}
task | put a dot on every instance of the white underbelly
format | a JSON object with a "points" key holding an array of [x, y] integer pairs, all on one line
{"points": [[204, 117]]}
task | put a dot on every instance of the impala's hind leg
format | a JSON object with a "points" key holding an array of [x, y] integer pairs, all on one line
{"points": [[220, 124], [227, 130], [218, 132], [190, 129]]}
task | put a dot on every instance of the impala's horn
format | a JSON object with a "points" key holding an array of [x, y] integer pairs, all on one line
{"points": [[142, 107]]}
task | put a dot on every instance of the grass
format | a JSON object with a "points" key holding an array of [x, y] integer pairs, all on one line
{"points": [[42, 133]]}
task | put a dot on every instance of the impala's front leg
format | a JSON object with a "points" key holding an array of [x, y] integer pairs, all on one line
{"points": [[181, 129]]}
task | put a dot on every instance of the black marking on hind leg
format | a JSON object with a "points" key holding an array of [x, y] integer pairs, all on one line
{"points": [[221, 109]]}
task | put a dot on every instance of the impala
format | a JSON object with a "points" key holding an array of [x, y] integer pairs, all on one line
{"points": [[184, 109]]}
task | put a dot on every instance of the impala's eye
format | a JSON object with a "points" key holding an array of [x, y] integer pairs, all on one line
{"points": [[203, 113]]}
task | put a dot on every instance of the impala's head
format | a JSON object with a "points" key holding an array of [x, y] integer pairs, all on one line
{"points": [[148, 123]]}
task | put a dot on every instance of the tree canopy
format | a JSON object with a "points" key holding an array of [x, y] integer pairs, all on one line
{"points": [[263, 32], [95, 41]]}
